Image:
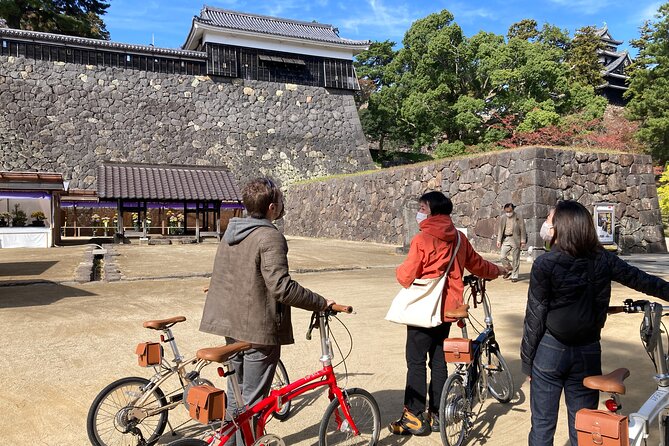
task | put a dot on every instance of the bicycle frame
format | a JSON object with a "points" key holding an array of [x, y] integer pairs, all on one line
{"points": [[264, 408], [657, 404], [162, 374]]}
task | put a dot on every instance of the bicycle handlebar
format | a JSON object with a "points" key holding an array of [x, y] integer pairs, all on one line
{"points": [[336, 308]]}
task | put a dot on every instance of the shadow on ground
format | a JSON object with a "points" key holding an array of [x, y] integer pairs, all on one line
{"points": [[34, 294], [25, 268]]}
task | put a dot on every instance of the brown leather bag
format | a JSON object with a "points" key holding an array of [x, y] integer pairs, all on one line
{"points": [[601, 428], [149, 353], [206, 403], [458, 350]]}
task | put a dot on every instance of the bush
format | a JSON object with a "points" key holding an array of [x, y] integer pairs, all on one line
{"points": [[448, 149]]}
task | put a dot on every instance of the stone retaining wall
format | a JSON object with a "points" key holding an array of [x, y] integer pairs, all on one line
{"points": [[69, 118], [380, 206]]}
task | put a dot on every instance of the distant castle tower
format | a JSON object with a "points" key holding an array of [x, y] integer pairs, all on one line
{"points": [[613, 73]]}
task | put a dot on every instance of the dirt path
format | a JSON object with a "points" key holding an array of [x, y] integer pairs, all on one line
{"points": [[65, 342]]}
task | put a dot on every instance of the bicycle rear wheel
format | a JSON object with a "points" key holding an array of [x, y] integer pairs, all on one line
{"points": [[110, 422], [500, 381], [334, 428], [454, 408], [281, 380]]}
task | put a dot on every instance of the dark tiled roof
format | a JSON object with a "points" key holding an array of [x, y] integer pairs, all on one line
{"points": [[165, 182], [241, 21], [62, 39]]}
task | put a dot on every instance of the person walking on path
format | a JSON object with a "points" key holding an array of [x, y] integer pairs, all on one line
{"points": [[251, 291], [567, 303], [430, 253], [511, 237]]}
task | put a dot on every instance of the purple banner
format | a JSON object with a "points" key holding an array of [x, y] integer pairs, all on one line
{"points": [[23, 195]]}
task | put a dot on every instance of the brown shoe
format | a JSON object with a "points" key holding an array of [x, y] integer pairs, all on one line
{"points": [[410, 424]]}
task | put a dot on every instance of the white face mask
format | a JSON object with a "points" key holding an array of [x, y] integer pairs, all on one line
{"points": [[509, 214], [420, 217]]}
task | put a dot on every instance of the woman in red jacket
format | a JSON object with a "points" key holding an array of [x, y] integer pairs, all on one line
{"points": [[430, 252]]}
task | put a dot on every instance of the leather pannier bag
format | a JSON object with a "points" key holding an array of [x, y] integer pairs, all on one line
{"points": [[458, 350], [206, 403], [601, 428], [149, 353]]}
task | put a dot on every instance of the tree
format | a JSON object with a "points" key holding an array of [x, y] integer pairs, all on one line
{"points": [[526, 29], [649, 85], [72, 17], [583, 57], [370, 65]]}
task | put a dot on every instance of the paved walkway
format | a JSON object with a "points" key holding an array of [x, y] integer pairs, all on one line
{"points": [[65, 341]]}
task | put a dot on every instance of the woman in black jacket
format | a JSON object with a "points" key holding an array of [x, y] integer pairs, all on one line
{"points": [[570, 289]]}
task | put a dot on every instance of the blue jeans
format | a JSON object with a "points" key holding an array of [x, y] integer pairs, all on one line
{"points": [[556, 367]]}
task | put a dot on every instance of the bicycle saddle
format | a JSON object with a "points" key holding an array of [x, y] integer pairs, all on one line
{"points": [[222, 354], [163, 323], [611, 382], [459, 313]]}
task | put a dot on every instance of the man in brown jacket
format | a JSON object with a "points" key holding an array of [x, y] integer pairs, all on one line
{"points": [[511, 237], [251, 292]]}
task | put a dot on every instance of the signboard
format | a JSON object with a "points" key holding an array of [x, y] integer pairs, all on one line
{"points": [[605, 223]]}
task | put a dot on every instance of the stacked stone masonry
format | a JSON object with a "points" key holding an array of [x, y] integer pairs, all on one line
{"points": [[373, 206], [69, 118]]}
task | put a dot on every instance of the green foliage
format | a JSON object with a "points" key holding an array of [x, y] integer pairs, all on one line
{"points": [[583, 59], [446, 90], [649, 85], [526, 29], [370, 66], [446, 149], [71, 17], [663, 192]]}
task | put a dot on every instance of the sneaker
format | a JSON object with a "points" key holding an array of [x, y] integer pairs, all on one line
{"points": [[410, 424], [434, 422]]}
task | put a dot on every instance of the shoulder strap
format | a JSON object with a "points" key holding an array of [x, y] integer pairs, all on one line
{"points": [[455, 253]]}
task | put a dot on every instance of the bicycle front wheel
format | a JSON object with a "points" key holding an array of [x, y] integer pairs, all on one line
{"points": [[500, 381], [335, 429], [111, 420], [281, 380], [454, 408]]}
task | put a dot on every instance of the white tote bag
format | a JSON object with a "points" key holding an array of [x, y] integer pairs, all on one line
{"points": [[420, 304]]}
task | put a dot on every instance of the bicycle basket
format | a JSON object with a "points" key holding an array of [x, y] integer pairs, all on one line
{"points": [[206, 403], [149, 354]]}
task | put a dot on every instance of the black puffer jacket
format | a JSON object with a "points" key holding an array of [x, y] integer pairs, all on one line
{"points": [[558, 280]]}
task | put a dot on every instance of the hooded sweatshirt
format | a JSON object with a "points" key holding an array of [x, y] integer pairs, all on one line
{"points": [[251, 291], [431, 250]]}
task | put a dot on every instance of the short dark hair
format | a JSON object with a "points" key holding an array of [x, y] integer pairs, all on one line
{"points": [[574, 230], [509, 205], [439, 203], [258, 194]]}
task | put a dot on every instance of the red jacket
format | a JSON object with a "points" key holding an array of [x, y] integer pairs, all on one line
{"points": [[431, 250]]}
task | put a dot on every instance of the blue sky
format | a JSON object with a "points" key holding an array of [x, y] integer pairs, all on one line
{"points": [[168, 21]]}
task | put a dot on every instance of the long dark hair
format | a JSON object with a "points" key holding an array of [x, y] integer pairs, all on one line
{"points": [[574, 230]]}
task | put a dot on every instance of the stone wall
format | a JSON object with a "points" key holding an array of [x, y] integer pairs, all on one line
{"points": [[380, 206], [69, 118]]}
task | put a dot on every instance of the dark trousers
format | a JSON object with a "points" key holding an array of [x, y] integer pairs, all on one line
{"points": [[556, 367], [425, 343], [254, 370]]}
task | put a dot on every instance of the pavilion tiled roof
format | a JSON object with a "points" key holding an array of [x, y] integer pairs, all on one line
{"points": [[240, 21], [166, 182], [31, 180]]}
